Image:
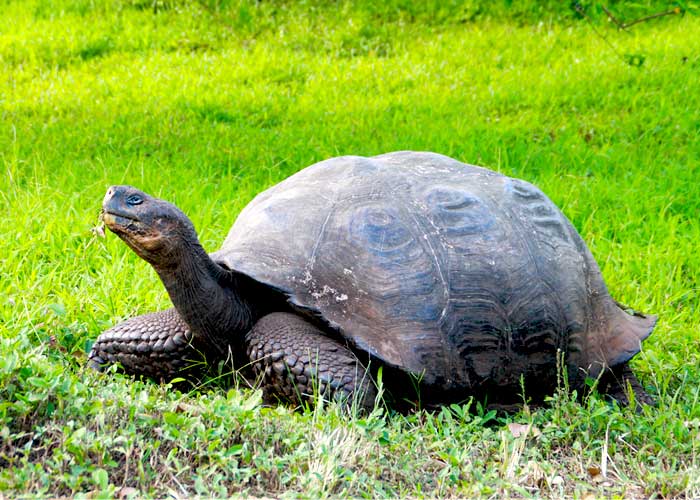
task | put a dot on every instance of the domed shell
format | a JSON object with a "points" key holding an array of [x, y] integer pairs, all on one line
{"points": [[446, 270]]}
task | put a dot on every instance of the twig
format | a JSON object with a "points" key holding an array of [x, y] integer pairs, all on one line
{"points": [[623, 25], [671, 12]]}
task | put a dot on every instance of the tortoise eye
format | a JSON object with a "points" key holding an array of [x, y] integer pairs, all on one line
{"points": [[134, 199]]}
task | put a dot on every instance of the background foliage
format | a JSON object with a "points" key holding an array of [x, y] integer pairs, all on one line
{"points": [[207, 103]]}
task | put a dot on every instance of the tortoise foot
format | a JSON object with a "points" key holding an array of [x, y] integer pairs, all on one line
{"points": [[617, 383]]}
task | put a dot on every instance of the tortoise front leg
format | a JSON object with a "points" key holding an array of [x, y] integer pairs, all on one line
{"points": [[297, 362], [156, 345]]}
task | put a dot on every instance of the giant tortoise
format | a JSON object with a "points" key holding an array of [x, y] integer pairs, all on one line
{"points": [[451, 280]]}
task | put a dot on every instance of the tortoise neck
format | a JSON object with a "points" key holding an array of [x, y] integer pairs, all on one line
{"points": [[209, 298]]}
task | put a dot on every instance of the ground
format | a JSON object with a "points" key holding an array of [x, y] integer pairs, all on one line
{"points": [[207, 103]]}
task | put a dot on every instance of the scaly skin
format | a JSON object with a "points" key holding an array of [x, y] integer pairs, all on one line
{"points": [[156, 345], [293, 360], [296, 362]]}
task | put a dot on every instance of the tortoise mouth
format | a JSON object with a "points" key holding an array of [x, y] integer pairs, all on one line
{"points": [[118, 220]]}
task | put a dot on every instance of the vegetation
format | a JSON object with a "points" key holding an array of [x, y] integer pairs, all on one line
{"points": [[207, 103]]}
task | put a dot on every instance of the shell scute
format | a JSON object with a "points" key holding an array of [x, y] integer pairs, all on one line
{"points": [[533, 206], [458, 213]]}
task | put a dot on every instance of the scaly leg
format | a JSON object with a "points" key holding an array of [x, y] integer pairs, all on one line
{"points": [[296, 361], [618, 381], [156, 345]]}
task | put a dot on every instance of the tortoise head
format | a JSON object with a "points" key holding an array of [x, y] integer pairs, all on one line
{"points": [[155, 229]]}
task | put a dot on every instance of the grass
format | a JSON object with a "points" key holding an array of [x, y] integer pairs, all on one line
{"points": [[207, 103]]}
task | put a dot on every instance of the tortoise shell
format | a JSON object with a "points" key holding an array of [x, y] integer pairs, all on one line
{"points": [[447, 270]]}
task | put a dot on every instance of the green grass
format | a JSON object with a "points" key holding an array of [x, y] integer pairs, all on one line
{"points": [[207, 103]]}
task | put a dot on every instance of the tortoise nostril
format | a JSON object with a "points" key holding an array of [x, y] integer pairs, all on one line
{"points": [[109, 194]]}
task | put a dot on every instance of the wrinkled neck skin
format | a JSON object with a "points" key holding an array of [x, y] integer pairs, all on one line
{"points": [[210, 299]]}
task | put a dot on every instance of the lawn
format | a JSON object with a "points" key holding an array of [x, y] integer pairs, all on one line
{"points": [[207, 103]]}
